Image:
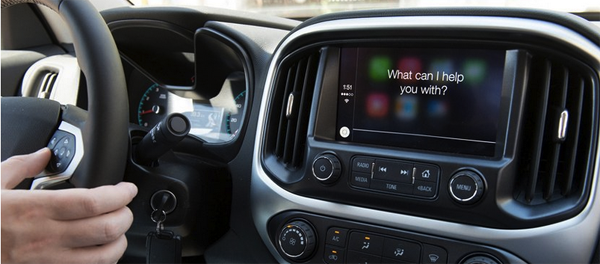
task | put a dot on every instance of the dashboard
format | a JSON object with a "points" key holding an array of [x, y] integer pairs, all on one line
{"points": [[459, 135], [450, 137]]}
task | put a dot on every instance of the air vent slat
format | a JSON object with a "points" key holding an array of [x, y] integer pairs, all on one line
{"points": [[288, 83], [541, 81], [291, 132], [558, 100], [575, 105], [303, 116]]}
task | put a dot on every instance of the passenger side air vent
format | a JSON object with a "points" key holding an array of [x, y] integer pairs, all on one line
{"points": [[558, 136], [290, 110]]}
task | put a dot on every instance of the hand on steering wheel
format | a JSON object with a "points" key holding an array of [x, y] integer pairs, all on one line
{"points": [[61, 226]]}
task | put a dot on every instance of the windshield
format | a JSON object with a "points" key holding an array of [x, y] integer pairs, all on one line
{"points": [[310, 8]]}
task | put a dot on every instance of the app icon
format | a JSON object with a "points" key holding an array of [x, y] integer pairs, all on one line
{"points": [[377, 105], [407, 107], [412, 65], [378, 68], [437, 108], [475, 71]]}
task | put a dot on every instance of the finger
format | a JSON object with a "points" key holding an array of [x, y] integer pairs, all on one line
{"points": [[107, 253], [72, 204], [98, 230], [17, 168]]}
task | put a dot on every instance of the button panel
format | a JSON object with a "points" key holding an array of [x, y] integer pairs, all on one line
{"points": [[363, 247], [62, 145], [395, 176]]}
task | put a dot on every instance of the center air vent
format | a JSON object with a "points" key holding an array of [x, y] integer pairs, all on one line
{"points": [[290, 110], [558, 134]]}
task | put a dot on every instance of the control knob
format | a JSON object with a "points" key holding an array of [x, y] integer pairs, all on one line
{"points": [[297, 240], [326, 168], [480, 259]]}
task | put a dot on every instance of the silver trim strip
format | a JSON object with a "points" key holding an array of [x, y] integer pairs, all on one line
{"points": [[45, 179], [570, 241]]}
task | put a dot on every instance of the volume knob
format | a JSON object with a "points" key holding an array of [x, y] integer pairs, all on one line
{"points": [[326, 168], [297, 240]]}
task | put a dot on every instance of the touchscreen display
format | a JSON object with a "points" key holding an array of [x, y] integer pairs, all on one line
{"points": [[444, 100]]}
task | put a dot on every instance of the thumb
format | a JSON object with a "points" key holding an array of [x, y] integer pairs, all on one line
{"points": [[17, 168]]}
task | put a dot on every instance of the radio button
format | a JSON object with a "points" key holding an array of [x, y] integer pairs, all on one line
{"points": [[364, 165], [393, 171], [426, 173]]}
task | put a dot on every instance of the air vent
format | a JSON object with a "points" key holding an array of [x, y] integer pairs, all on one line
{"points": [[46, 84], [290, 110], [559, 128]]}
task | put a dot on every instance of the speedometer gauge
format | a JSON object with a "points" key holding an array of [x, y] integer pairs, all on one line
{"points": [[213, 120], [234, 117]]}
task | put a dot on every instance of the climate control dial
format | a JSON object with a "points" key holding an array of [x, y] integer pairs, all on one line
{"points": [[297, 240]]}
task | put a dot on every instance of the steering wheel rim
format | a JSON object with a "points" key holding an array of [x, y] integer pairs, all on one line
{"points": [[105, 130]]}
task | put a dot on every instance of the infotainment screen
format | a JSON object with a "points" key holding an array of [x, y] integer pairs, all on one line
{"points": [[445, 100]]}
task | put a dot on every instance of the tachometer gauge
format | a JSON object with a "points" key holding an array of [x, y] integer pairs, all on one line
{"points": [[153, 106]]}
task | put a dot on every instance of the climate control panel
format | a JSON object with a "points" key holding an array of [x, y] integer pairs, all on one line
{"points": [[303, 237]]}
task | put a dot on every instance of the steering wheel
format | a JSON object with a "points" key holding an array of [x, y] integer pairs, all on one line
{"points": [[89, 147]]}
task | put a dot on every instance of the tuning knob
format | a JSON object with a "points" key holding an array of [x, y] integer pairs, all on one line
{"points": [[326, 168], [297, 240]]}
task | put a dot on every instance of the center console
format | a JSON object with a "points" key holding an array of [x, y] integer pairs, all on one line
{"points": [[463, 129]]}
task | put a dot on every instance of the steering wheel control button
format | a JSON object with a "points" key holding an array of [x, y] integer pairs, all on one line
{"points": [[433, 254], [327, 168], [365, 243], [401, 250], [466, 187], [297, 240], [393, 171], [62, 146], [336, 236], [333, 255]]}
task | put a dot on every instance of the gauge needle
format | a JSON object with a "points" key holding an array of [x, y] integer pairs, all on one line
{"points": [[150, 111]]}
